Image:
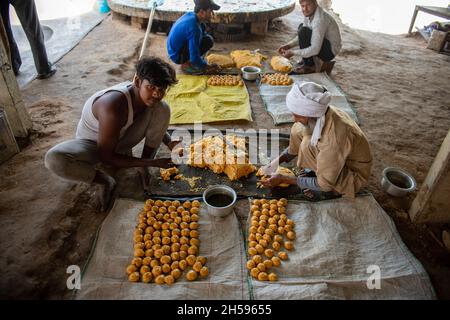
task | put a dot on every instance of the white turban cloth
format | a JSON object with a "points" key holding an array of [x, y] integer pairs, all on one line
{"points": [[309, 99]]}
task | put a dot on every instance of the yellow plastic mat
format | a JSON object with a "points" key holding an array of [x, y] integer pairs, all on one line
{"points": [[192, 100]]}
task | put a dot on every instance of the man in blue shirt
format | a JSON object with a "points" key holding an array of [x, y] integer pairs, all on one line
{"points": [[188, 42]]}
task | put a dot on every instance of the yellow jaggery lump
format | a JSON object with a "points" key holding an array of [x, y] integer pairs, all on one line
{"points": [[223, 61], [225, 80], [281, 64], [277, 79], [280, 170], [166, 174], [221, 155], [244, 58]]}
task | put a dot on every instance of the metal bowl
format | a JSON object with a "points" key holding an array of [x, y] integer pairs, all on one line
{"points": [[220, 189], [250, 72], [397, 182]]}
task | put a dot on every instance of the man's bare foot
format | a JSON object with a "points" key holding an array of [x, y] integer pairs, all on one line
{"points": [[304, 69], [107, 186]]}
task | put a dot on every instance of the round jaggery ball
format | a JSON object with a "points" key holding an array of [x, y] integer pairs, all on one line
{"points": [[273, 277], [166, 249], [191, 275], [252, 251], [176, 273], [175, 256], [197, 266], [262, 276], [191, 259], [187, 204], [175, 265], [131, 268], [139, 253], [156, 271], [169, 279], [276, 246], [276, 261], [196, 204], [134, 277], [165, 260], [291, 235], [147, 277], [193, 250], [254, 272], [154, 263], [261, 266], [182, 265], [137, 262], [269, 253], [160, 279], [144, 269], [204, 271], [194, 242], [202, 260], [259, 248], [251, 264], [268, 263], [283, 255], [288, 245], [257, 259], [166, 268]]}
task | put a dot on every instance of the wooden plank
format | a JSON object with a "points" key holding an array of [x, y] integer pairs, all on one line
{"points": [[10, 97], [431, 204], [8, 144]]}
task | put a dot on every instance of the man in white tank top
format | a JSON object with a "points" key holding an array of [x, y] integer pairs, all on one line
{"points": [[112, 122], [318, 36]]}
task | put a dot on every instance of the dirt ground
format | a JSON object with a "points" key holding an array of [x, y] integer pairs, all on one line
{"points": [[400, 90]]}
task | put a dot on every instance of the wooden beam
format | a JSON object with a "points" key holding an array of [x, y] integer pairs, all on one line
{"points": [[432, 203], [10, 97]]}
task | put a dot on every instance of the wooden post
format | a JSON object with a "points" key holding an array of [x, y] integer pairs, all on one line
{"points": [[10, 97], [416, 10], [432, 202], [8, 144]]}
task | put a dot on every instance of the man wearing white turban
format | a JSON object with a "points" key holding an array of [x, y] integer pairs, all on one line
{"points": [[327, 142]]}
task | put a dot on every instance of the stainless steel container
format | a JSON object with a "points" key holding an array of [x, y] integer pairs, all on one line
{"points": [[250, 73], [397, 182], [220, 189]]}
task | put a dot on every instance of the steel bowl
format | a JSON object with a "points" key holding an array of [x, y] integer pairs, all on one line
{"points": [[250, 73], [220, 189], [397, 182]]}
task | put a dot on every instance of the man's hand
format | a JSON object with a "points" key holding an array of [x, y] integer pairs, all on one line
{"points": [[269, 169], [287, 54], [283, 49], [164, 163], [274, 181]]}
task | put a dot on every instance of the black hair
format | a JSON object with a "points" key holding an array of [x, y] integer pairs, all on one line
{"points": [[197, 9], [156, 71]]}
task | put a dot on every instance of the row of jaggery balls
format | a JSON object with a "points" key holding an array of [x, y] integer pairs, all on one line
{"points": [[225, 80], [269, 226], [166, 243], [277, 79]]}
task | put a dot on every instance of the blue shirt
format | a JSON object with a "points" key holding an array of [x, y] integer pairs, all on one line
{"points": [[186, 31]]}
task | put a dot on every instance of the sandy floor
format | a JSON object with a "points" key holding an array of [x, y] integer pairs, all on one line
{"points": [[400, 90]]}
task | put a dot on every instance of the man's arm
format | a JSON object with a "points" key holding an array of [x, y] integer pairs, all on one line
{"points": [[317, 37], [111, 113], [194, 49]]}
